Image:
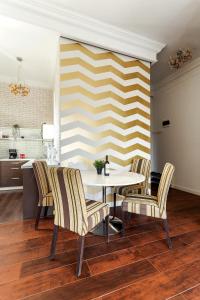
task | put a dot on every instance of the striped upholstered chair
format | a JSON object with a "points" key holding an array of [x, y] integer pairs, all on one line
{"points": [[150, 205], [45, 195], [72, 210], [141, 166]]}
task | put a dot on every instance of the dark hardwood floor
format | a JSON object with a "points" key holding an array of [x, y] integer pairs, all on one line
{"points": [[10, 206], [138, 266]]}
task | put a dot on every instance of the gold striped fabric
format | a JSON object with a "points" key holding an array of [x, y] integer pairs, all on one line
{"points": [[96, 212], [164, 185], [40, 169], [141, 166], [72, 211], [47, 200], [142, 204], [150, 205], [105, 105]]}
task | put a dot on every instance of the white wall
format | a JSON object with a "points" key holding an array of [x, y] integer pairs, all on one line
{"points": [[56, 107], [178, 99], [154, 137]]}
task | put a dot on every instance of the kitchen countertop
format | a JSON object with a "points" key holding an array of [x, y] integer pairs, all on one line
{"points": [[15, 159], [29, 164], [29, 161]]}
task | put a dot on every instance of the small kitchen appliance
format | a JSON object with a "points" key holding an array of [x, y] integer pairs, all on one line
{"points": [[12, 153]]}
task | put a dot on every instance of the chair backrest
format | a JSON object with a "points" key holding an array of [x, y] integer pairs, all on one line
{"points": [[40, 169], [69, 199], [142, 166], [164, 186]]}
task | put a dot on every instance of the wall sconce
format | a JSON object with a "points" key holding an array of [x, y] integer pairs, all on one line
{"points": [[181, 57]]}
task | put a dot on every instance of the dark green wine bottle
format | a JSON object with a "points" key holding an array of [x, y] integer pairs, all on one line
{"points": [[107, 167]]}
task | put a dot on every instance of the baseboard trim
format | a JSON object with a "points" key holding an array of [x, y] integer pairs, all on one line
{"points": [[186, 189], [11, 188]]}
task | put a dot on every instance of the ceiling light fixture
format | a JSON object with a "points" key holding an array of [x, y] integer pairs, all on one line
{"points": [[19, 88], [181, 57]]}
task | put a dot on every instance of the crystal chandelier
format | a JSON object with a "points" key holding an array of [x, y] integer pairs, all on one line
{"points": [[19, 88], [182, 56]]}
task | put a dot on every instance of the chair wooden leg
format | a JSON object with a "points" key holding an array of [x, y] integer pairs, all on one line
{"points": [[123, 223], [166, 228], [45, 211], [53, 243], [81, 242], [128, 217], [39, 209], [115, 204], [107, 220]]}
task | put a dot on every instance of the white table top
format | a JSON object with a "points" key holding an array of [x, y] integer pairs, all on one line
{"points": [[116, 178]]}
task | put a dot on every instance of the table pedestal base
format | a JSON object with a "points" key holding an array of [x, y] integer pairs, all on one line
{"points": [[115, 227], [115, 224]]}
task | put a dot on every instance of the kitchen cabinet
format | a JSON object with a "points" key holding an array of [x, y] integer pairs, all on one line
{"points": [[11, 173]]}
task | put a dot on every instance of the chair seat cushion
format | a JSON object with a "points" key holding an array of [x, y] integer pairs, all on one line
{"points": [[125, 191], [96, 212], [144, 198], [47, 200], [130, 189], [142, 204]]}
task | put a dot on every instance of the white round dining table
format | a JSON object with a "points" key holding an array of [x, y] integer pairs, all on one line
{"points": [[116, 178]]}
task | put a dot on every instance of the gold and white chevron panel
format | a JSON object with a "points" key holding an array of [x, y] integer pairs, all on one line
{"points": [[104, 105], [104, 108]]}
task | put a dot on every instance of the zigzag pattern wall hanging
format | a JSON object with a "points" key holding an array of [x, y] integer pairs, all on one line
{"points": [[105, 105]]}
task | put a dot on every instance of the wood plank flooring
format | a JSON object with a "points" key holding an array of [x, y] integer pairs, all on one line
{"points": [[10, 206], [138, 266]]}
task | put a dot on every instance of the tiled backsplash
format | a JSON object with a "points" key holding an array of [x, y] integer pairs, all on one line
{"points": [[32, 145], [28, 112]]}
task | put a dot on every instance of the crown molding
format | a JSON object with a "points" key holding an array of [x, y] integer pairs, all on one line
{"points": [[79, 27], [179, 75]]}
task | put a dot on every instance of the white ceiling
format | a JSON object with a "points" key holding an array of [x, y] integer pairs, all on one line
{"points": [[151, 18], [176, 23], [172, 22], [37, 46]]}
